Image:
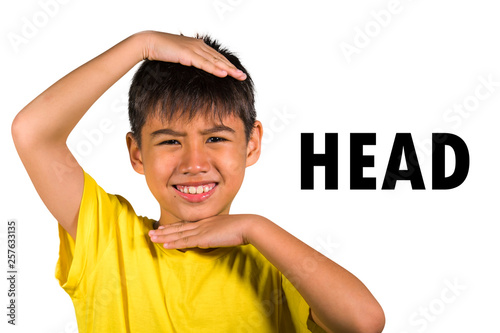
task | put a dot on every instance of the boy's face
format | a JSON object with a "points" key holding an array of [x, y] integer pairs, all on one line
{"points": [[194, 168]]}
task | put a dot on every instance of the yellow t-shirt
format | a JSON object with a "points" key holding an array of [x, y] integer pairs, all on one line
{"points": [[119, 281]]}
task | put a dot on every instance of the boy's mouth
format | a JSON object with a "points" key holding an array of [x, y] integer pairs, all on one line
{"points": [[195, 189], [195, 192]]}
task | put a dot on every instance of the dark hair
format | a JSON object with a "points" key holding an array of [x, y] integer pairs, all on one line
{"points": [[173, 90]]}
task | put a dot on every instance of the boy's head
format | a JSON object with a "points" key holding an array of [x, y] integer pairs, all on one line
{"points": [[172, 91], [193, 134]]}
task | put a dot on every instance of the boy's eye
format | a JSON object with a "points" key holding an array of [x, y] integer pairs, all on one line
{"points": [[216, 139], [169, 142]]}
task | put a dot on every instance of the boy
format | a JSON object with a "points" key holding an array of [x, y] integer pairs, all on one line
{"points": [[196, 269]]}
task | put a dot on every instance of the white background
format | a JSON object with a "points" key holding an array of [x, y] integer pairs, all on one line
{"points": [[407, 246]]}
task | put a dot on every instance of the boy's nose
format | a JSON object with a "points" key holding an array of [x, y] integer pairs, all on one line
{"points": [[194, 160]]}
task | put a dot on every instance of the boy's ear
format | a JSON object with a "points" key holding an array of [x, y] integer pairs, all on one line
{"points": [[254, 144], [135, 154]]}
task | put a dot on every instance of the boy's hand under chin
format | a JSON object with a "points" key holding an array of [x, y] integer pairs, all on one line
{"points": [[216, 231], [338, 301]]}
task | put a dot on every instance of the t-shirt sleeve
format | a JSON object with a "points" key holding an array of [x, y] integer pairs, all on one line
{"points": [[298, 309], [96, 226]]}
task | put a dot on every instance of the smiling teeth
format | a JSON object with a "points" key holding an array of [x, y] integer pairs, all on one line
{"points": [[195, 189]]}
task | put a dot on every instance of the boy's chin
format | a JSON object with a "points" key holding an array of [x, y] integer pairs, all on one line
{"points": [[197, 216]]}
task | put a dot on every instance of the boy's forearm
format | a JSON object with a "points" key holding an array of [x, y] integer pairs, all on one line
{"points": [[338, 300], [41, 129], [54, 113]]}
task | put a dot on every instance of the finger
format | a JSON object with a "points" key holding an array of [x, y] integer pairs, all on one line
{"points": [[171, 234], [171, 237], [205, 63], [219, 58], [186, 242], [222, 62], [238, 74], [181, 243], [171, 228], [215, 63]]}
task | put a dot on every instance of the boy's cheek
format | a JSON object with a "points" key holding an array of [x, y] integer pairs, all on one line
{"points": [[160, 166], [235, 161]]}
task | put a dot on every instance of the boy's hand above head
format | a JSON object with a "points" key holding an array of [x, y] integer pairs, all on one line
{"points": [[189, 51]]}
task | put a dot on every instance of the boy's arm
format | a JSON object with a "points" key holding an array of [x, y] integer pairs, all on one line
{"points": [[339, 302], [41, 129]]}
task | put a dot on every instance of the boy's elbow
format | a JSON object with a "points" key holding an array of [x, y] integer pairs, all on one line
{"points": [[364, 321], [373, 321], [16, 129], [25, 132]]}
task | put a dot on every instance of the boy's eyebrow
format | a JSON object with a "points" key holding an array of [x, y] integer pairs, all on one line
{"points": [[215, 129], [218, 128], [167, 131]]}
